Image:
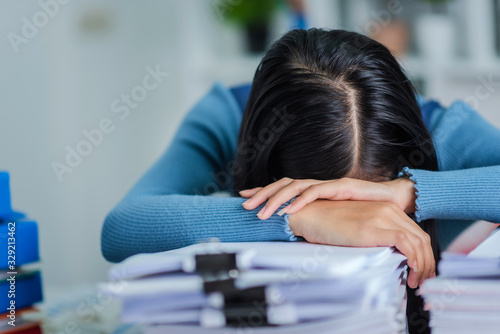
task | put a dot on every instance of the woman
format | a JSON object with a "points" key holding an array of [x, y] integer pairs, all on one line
{"points": [[331, 118]]}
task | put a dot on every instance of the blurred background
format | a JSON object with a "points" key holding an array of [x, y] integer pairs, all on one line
{"points": [[69, 67]]}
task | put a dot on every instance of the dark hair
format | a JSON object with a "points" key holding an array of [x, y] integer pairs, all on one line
{"points": [[330, 104]]}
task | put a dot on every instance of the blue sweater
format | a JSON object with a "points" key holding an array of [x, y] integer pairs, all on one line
{"points": [[169, 207]]}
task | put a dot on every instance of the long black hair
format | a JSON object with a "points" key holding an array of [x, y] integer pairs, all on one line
{"points": [[330, 104]]}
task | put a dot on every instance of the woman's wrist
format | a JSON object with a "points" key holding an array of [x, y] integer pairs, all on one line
{"points": [[294, 223], [406, 191], [300, 222]]}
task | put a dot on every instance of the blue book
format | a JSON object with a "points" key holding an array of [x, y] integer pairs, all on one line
{"points": [[25, 290], [21, 238]]}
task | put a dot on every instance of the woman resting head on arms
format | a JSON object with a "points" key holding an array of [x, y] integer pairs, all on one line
{"points": [[330, 123], [327, 112]]}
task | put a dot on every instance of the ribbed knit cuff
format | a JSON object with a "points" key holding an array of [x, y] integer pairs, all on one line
{"points": [[288, 230], [407, 172], [276, 225], [460, 194]]}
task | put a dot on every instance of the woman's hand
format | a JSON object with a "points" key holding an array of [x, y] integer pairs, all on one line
{"points": [[399, 191], [367, 224]]}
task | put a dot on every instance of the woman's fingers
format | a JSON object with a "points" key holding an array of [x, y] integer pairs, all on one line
{"points": [[408, 244], [263, 194], [429, 259], [416, 274], [294, 188], [418, 264], [407, 223], [342, 190], [326, 190], [398, 239], [308, 191], [389, 218], [249, 192]]}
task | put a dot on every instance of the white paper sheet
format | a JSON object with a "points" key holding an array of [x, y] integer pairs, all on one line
{"points": [[336, 261]]}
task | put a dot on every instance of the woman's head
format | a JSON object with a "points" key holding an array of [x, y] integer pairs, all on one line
{"points": [[330, 104]]}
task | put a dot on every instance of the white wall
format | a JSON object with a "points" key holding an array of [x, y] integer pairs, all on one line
{"points": [[64, 81]]}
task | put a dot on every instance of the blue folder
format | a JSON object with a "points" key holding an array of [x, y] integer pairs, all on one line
{"points": [[27, 290], [26, 243], [5, 208], [6, 212]]}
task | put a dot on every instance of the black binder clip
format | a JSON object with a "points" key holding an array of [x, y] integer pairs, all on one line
{"points": [[216, 262], [246, 315], [218, 271], [242, 307]]}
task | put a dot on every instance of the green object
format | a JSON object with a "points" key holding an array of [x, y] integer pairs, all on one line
{"points": [[252, 12]]}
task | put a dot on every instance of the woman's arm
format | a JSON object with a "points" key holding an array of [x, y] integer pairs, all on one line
{"points": [[352, 220], [463, 139], [467, 187], [468, 194], [167, 208]]}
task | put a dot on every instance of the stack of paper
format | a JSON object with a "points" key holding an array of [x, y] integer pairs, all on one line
{"points": [[262, 284], [465, 297]]}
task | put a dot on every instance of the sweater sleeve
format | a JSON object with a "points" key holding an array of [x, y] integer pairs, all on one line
{"points": [[170, 208], [468, 183]]}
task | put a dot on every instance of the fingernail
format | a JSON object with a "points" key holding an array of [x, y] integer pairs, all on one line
{"points": [[414, 266], [283, 211], [244, 191], [245, 203], [261, 211]]}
